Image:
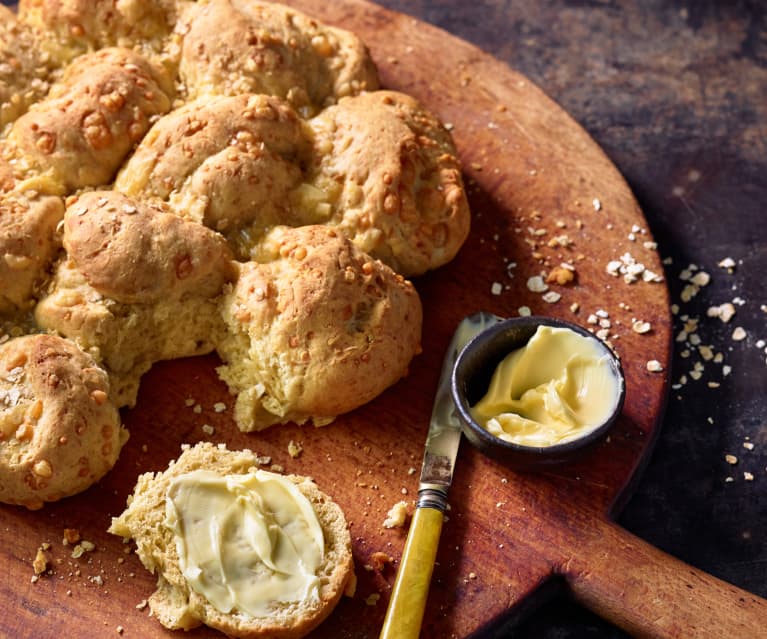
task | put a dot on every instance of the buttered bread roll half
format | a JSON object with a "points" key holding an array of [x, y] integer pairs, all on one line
{"points": [[282, 555]]}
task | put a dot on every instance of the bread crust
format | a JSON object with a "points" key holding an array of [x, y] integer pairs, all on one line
{"points": [[176, 605], [59, 432]]}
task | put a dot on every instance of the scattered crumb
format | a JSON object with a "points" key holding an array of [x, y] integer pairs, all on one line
{"points": [[208, 429], [295, 449], [536, 284], [731, 459], [739, 334], [397, 515], [219, 407], [379, 560], [40, 562], [71, 536], [496, 288], [372, 600]]}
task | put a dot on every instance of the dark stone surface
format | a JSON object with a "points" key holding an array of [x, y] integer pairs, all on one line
{"points": [[676, 94]]}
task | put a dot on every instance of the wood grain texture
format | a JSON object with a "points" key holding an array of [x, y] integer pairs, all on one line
{"points": [[530, 169]]}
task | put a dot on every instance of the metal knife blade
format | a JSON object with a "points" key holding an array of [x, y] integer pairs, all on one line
{"points": [[444, 434]]}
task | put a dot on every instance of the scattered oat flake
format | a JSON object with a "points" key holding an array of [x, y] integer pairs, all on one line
{"points": [[654, 366], [641, 327], [748, 445], [748, 476], [701, 278], [551, 297], [208, 429], [536, 284], [496, 288], [731, 459], [524, 311], [219, 407], [739, 334], [724, 311]]}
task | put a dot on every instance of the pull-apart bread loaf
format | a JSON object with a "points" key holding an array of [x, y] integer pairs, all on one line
{"points": [[178, 178], [316, 331], [281, 587], [59, 431], [138, 285]]}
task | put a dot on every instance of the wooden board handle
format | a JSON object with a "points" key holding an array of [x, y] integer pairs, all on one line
{"points": [[408, 598], [651, 594]]}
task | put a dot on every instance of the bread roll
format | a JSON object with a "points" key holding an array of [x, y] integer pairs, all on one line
{"points": [[234, 47], [83, 130], [389, 170], [69, 28], [139, 285], [59, 432], [230, 163], [317, 331], [29, 243], [24, 68], [177, 605]]}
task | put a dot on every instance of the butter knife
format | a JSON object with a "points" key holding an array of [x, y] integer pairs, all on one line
{"points": [[411, 587]]}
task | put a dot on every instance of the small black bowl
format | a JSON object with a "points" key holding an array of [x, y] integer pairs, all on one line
{"points": [[471, 378]]}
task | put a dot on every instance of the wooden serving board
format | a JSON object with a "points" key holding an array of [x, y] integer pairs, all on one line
{"points": [[542, 193]]}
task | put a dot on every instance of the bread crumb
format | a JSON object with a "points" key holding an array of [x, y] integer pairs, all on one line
{"points": [[295, 449], [379, 560], [40, 562], [71, 536], [397, 515], [372, 600]]}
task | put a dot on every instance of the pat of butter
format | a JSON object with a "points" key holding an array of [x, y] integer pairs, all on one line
{"points": [[245, 542], [560, 386]]}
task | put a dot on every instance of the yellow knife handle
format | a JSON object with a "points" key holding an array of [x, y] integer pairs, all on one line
{"points": [[408, 598]]}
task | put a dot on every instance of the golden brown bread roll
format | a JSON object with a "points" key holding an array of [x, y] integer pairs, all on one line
{"points": [[234, 47], [82, 131], [29, 244], [139, 286], [136, 252], [59, 432], [69, 28], [389, 170], [227, 162], [24, 68], [316, 332], [178, 605]]}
